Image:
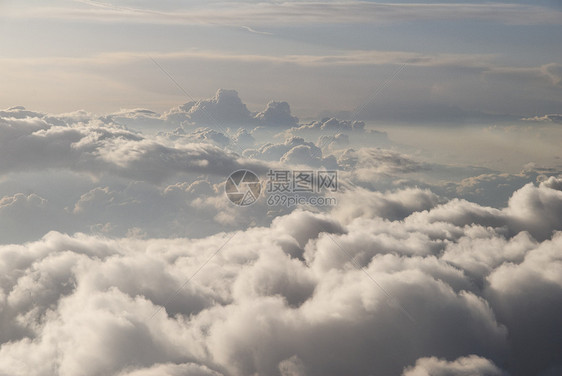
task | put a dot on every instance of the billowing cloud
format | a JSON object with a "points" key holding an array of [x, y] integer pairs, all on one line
{"points": [[391, 285], [294, 150], [164, 275], [277, 114], [466, 366], [226, 109], [32, 143]]}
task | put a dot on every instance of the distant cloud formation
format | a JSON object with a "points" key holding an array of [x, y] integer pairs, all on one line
{"points": [[552, 118], [226, 109], [126, 172], [97, 147]]}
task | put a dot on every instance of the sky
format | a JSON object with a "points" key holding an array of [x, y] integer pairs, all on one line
{"points": [[470, 59], [284, 188]]}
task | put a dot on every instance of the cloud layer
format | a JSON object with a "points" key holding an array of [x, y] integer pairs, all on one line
{"points": [[388, 285], [163, 275], [244, 13]]}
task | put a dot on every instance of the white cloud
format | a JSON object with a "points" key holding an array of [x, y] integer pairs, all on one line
{"points": [[33, 144], [403, 280], [465, 366], [173, 370], [551, 118], [226, 109], [277, 114], [286, 297]]}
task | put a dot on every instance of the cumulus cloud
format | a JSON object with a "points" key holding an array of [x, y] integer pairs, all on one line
{"points": [[277, 114], [333, 132], [553, 183], [513, 287], [333, 124], [35, 144], [466, 366], [293, 151], [137, 118], [199, 135], [163, 275], [390, 205], [19, 112], [226, 109], [395, 283]]}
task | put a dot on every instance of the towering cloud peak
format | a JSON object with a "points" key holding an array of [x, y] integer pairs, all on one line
{"points": [[277, 113], [225, 107]]}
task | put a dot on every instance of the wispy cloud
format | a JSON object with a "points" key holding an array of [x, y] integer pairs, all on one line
{"points": [[336, 58], [246, 13]]}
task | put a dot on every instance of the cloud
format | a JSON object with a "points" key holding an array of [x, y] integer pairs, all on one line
{"points": [[532, 282], [334, 125], [173, 370], [275, 152], [418, 99], [337, 58], [382, 161], [226, 109], [167, 276], [537, 209], [493, 189], [137, 118], [553, 182], [550, 118], [295, 151], [292, 367], [199, 135], [277, 114], [33, 143], [21, 199], [246, 13], [391, 205], [25, 216], [244, 139], [465, 366], [439, 281], [19, 112]]}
